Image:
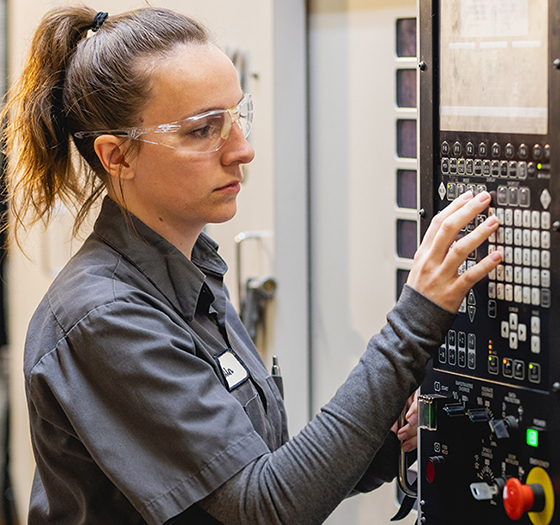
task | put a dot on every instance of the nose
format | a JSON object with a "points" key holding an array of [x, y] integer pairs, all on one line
{"points": [[237, 149]]}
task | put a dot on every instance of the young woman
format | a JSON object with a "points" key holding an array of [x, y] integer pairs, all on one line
{"points": [[147, 400]]}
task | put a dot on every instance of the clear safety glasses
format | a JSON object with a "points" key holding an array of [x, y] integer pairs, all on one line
{"points": [[202, 133]]}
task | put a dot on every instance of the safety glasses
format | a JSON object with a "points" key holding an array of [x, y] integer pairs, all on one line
{"points": [[202, 133]]}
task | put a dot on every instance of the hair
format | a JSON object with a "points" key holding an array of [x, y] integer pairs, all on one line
{"points": [[73, 81]]}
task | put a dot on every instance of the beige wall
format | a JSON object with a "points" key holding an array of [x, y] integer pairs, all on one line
{"points": [[245, 25]]}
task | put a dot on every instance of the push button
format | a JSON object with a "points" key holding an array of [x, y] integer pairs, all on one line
{"points": [[445, 148], [482, 149], [469, 150], [457, 149]]}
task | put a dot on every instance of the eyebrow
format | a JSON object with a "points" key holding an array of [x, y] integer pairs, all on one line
{"points": [[208, 110]]}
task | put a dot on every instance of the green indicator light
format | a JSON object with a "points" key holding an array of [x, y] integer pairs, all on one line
{"points": [[532, 437], [539, 166]]}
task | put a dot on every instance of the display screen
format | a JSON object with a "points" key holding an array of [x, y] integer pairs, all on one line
{"points": [[494, 66]]}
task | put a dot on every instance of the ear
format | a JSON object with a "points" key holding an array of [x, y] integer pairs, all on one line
{"points": [[110, 150]]}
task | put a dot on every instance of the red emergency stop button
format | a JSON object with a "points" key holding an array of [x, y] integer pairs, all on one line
{"points": [[433, 465], [519, 498]]}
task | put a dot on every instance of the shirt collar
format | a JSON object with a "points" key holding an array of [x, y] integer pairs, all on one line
{"points": [[181, 280]]}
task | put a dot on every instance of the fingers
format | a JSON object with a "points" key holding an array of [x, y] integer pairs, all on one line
{"points": [[467, 244], [453, 223]]}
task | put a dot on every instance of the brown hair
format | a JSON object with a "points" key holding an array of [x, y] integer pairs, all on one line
{"points": [[72, 82]]}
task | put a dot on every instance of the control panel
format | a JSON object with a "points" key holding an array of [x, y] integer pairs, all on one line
{"points": [[489, 409]]}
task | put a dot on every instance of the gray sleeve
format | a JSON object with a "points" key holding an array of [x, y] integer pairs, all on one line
{"points": [[304, 480]]}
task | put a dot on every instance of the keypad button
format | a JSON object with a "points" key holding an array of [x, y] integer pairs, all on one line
{"points": [[535, 325], [535, 296], [545, 220], [478, 167], [534, 373], [486, 168], [522, 332], [451, 191], [545, 240], [445, 148], [526, 295], [537, 152], [512, 169], [504, 329], [509, 292], [531, 170], [493, 364], [491, 290], [500, 292], [545, 259], [535, 258], [517, 217], [513, 320], [508, 274], [453, 166], [526, 256], [526, 219], [445, 165], [509, 151], [508, 217], [545, 278], [523, 151], [504, 168], [527, 276], [517, 255], [518, 237], [513, 340], [535, 344], [518, 274], [509, 235], [519, 370], [502, 195], [507, 368], [536, 239], [461, 166], [524, 197], [518, 294], [469, 149], [457, 149], [526, 238], [546, 152], [545, 298], [513, 196], [535, 219], [496, 150], [482, 149], [535, 277], [508, 252], [495, 168], [500, 272], [469, 166], [522, 170]]}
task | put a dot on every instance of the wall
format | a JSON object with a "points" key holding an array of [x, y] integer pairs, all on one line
{"points": [[353, 198]]}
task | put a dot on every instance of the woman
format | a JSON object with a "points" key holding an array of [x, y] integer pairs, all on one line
{"points": [[147, 400]]}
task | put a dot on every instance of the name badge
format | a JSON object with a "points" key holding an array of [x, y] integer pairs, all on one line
{"points": [[233, 368]]}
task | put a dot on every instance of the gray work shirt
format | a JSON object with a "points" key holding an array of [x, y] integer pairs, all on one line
{"points": [[132, 416]]}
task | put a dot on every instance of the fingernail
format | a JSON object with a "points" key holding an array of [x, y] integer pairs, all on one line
{"points": [[492, 221], [467, 195], [496, 256], [483, 196]]}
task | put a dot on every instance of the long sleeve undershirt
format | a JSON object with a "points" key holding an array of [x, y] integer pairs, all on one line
{"points": [[304, 480]]}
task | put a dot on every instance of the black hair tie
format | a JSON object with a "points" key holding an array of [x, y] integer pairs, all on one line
{"points": [[98, 21]]}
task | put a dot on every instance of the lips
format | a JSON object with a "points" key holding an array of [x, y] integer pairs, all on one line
{"points": [[232, 187]]}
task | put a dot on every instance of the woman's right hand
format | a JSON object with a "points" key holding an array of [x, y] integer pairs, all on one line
{"points": [[436, 263]]}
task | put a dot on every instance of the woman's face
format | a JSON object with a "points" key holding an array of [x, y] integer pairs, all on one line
{"points": [[178, 192]]}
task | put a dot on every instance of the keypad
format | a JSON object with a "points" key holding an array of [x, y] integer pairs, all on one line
{"points": [[519, 289], [523, 239]]}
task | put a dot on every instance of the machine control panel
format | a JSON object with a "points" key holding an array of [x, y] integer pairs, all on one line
{"points": [[489, 115]]}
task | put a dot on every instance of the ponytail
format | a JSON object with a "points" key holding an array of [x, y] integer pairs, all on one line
{"points": [[36, 135]]}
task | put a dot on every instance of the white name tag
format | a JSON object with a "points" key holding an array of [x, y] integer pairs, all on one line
{"points": [[233, 368]]}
